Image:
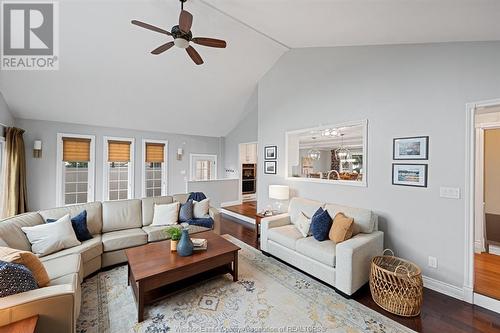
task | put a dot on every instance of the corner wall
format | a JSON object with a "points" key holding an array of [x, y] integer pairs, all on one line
{"points": [[42, 172], [405, 90], [6, 118]]}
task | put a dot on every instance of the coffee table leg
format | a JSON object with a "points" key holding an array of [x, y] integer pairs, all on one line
{"points": [[128, 276], [235, 267], [140, 303]]}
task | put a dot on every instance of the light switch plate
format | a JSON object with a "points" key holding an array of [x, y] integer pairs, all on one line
{"points": [[449, 192]]}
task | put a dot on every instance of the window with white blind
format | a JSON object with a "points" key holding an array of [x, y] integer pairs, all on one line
{"points": [[75, 169], [203, 166], [118, 168], [154, 172]]}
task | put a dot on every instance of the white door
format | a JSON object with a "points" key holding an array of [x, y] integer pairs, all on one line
{"points": [[203, 167]]}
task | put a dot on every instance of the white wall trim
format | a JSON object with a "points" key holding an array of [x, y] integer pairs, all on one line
{"points": [[164, 171], [443, 288], [105, 171], [59, 168], [230, 203], [493, 249], [487, 302]]}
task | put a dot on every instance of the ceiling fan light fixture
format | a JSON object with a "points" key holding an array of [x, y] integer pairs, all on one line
{"points": [[181, 43]]}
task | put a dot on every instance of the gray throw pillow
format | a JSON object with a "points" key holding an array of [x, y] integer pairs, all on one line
{"points": [[186, 211]]}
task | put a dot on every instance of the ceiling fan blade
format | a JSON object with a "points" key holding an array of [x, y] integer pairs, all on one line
{"points": [[162, 48], [194, 55], [150, 27], [185, 21], [211, 42]]}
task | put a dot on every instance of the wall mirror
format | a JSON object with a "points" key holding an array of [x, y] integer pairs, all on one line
{"points": [[334, 154]]}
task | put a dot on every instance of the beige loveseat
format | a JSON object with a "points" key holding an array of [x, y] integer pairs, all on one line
{"points": [[346, 265], [115, 226]]}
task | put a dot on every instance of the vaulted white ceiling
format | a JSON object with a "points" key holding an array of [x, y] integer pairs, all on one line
{"points": [[107, 76]]}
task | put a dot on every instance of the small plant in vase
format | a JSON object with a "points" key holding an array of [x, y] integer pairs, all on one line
{"points": [[175, 234]]}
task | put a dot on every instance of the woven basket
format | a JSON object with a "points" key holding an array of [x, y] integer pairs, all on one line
{"points": [[396, 285]]}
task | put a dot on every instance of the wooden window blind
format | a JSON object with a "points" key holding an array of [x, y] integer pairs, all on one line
{"points": [[76, 149], [155, 152], [119, 151]]}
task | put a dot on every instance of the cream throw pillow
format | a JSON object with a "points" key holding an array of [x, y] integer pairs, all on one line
{"points": [[28, 260], [51, 237], [303, 224], [341, 229], [167, 214], [200, 209]]}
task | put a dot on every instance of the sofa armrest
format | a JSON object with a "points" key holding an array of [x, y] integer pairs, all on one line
{"points": [[353, 260], [55, 306], [215, 215], [270, 222]]}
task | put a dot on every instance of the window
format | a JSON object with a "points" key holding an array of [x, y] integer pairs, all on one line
{"points": [[154, 182], [75, 169], [118, 168], [203, 166]]}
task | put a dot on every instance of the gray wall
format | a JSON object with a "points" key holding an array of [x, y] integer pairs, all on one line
{"points": [[244, 132], [42, 172], [6, 118], [403, 90]]}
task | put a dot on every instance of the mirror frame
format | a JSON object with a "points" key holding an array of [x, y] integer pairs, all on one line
{"points": [[363, 183]]}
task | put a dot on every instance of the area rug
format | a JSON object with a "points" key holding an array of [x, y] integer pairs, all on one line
{"points": [[269, 297]]}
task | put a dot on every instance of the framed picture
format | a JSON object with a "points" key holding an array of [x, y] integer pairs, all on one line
{"points": [[409, 174], [270, 152], [270, 167], [415, 148]]}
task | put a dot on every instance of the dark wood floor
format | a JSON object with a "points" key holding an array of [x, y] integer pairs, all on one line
{"points": [[248, 209], [440, 313]]}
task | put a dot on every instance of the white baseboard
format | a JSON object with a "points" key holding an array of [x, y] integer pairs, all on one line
{"points": [[230, 203], [493, 249], [487, 302], [237, 216], [444, 288], [479, 246]]}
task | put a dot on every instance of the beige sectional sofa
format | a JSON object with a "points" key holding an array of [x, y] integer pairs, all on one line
{"points": [[345, 265], [115, 226]]}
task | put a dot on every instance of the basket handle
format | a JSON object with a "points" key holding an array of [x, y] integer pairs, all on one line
{"points": [[401, 267], [392, 252]]}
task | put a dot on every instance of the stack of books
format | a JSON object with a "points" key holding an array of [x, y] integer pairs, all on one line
{"points": [[200, 244]]}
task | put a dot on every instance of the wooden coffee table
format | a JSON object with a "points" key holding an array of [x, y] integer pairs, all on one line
{"points": [[153, 266]]}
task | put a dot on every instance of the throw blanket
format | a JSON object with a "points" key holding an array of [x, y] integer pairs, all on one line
{"points": [[197, 196], [206, 222]]}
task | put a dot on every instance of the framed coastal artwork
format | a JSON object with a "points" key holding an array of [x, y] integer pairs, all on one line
{"points": [[270, 152], [413, 148], [270, 167], [409, 174]]}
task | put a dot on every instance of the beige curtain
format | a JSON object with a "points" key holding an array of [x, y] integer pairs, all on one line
{"points": [[15, 195]]}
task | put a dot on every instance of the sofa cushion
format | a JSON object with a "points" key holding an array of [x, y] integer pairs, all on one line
{"points": [[27, 259], [148, 207], [181, 197], [186, 211], [156, 234], [364, 219], [94, 214], [321, 224], [51, 237], [11, 233], [303, 225], [121, 215], [123, 239], [341, 229], [66, 265], [324, 252], [286, 235], [200, 208], [167, 214], [301, 205], [79, 224], [88, 250], [15, 279]]}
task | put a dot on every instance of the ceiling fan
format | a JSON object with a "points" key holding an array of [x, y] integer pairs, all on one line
{"points": [[182, 36]]}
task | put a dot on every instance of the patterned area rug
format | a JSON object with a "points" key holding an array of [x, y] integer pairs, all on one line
{"points": [[269, 297]]}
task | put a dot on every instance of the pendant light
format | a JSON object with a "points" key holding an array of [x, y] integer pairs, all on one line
{"points": [[313, 153], [342, 153]]}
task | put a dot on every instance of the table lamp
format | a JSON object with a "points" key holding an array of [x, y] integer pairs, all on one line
{"points": [[279, 193]]}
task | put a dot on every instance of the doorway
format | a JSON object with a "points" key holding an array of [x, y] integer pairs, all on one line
{"points": [[248, 156], [203, 167], [487, 189]]}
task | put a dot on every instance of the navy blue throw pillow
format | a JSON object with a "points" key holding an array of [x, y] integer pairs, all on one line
{"points": [[206, 222], [15, 279], [79, 224], [321, 223], [186, 211]]}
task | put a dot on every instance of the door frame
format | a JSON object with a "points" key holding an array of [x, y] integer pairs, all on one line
{"points": [[240, 168], [470, 206], [194, 155]]}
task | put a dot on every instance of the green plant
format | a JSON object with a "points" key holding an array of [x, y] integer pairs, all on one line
{"points": [[174, 233]]}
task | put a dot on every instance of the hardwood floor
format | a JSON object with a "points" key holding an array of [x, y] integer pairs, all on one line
{"points": [[248, 209], [440, 313], [487, 275]]}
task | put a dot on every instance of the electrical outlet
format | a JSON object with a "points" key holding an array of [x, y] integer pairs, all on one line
{"points": [[433, 262]]}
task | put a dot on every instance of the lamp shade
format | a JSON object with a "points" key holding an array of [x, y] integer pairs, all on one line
{"points": [[279, 192]]}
